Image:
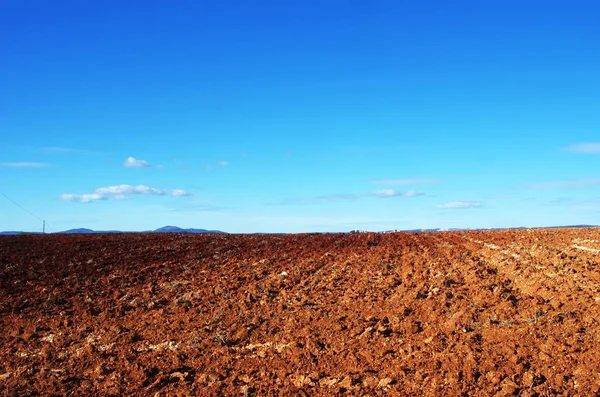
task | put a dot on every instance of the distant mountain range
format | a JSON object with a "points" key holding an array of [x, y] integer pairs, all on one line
{"points": [[175, 229], [165, 229]]}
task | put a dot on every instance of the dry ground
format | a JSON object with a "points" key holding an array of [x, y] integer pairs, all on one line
{"points": [[476, 313]]}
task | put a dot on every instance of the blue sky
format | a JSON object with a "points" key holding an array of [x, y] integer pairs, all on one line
{"points": [[296, 116]]}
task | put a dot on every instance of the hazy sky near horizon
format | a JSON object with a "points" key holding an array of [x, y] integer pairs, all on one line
{"points": [[296, 116]]}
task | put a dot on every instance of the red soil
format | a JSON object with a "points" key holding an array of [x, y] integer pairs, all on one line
{"points": [[453, 313]]}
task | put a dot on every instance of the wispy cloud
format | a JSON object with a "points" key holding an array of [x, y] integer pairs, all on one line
{"points": [[23, 164], [586, 147], [199, 206], [574, 204], [455, 205], [52, 149], [120, 192], [586, 208], [331, 198], [63, 150], [221, 163], [388, 193], [358, 149], [567, 184], [327, 221], [132, 162], [405, 182], [561, 200], [340, 198]]}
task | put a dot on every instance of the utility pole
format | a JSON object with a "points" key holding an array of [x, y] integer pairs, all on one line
{"points": [[44, 227]]}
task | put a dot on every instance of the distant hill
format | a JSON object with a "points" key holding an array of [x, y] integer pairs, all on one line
{"points": [[83, 230], [12, 233], [77, 231], [169, 229], [175, 229]]}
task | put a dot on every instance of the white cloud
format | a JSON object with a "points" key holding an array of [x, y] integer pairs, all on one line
{"points": [[198, 206], [586, 147], [567, 184], [23, 164], [221, 163], [331, 198], [460, 205], [128, 189], [57, 149], [412, 193], [135, 163], [120, 192], [82, 198], [386, 193], [561, 200], [405, 182], [339, 198], [586, 208], [325, 221]]}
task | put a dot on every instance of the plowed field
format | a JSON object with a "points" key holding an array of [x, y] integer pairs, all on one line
{"points": [[477, 313]]}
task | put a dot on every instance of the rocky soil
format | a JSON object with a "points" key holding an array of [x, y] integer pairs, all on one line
{"points": [[478, 313]]}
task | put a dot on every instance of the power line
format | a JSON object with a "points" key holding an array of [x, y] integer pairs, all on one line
{"points": [[46, 227], [21, 207]]}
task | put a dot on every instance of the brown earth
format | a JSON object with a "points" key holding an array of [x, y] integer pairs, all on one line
{"points": [[476, 313]]}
